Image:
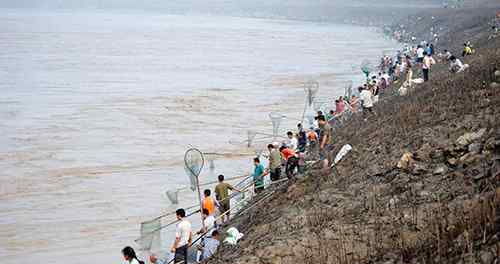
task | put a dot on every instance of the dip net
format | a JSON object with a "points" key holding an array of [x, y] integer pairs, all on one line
{"points": [[366, 67], [251, 136], [311, 88], [193, 164], [276, 119], [173, 196], [348, 89], [150, 235]]}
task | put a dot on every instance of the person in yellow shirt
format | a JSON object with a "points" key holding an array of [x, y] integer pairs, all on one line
{"points": [[208, 202], [467, 50]]}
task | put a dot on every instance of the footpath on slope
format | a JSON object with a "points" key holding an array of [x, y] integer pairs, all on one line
{"points": [[440, 205]]}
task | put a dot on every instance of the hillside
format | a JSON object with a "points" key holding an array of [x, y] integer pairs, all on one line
{"points": [[440, 206]]}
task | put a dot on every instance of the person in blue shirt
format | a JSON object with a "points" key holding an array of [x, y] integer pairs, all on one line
{"points": [[258, 176]]}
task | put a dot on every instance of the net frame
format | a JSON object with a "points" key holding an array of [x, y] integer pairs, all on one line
{"points": [[366, 67], [311, 88], [348, 88], [210, 159], [251, 134], [173, 196], [194, 162], [150, 235], [320, 105], [276, 119]]}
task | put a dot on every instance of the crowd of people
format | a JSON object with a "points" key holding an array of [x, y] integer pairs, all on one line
{"points": [[287, 159]]}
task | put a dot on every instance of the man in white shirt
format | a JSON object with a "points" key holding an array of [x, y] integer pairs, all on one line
{"points": [[366, 100], [426, 66], [292, 141], [208, 222], [456, 65], [420, 54], [183, 237]]}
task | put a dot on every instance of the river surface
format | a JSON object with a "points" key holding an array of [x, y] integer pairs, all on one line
{"points": [[97, 109]]}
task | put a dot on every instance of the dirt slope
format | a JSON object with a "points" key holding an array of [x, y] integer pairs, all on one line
{"points": [[440, 206]]}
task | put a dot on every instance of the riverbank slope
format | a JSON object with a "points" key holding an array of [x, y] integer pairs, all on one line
{"points": [[439, 204]]}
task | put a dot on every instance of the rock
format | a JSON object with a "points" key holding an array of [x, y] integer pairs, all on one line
{"points": [[486, 257], [475, 147], [424, 194], [469, 158], [406, 161], [452, 161], [441, 169], [494, 85], [437, 155], [419, 168], [468, 138], [424, 153], [492, 143], [497, 73]]}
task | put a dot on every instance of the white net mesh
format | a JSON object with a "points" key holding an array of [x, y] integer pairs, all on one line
{"points": [[173, 196], [210, 157], [193, 164], [366, 67], [150, 235], [321, 105], [276, 121], [348, 89], [251, 136], [311, 88]]}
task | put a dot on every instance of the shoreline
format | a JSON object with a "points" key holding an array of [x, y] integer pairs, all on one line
{"points": [[260, 243]]}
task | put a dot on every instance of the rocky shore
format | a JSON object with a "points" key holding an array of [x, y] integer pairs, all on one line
{"points": [[422, 183]]}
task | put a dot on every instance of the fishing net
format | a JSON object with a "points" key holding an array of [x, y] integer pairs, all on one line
{"points": [[348, 88], [210, 158], [251, 136], [366, 67], [193, 164], [311, 88], [354, 68], [173, 196], [276, 120], [150, 235], [321, 105]]}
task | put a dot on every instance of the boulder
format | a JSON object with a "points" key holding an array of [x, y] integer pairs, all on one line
{"points": [[453, 161], [441, 169], [475, 147], [419, 168], [486, 257], [406, 161], [468, 138]]}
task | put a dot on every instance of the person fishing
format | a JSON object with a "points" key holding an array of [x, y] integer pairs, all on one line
{"points": [[222, 196], [183, 238], [258, 176]]}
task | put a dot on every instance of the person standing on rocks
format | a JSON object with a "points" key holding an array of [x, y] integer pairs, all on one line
{"points": [[426, 66], [366, 101], [325, 142], [420, 54], [274, 163], [408, 69]]}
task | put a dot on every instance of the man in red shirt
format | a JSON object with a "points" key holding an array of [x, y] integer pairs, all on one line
{"points": [[292, 160]]}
